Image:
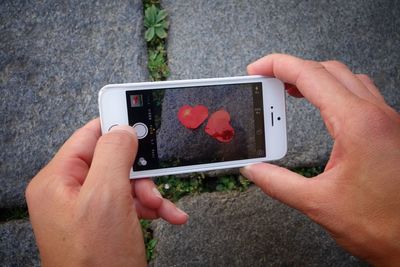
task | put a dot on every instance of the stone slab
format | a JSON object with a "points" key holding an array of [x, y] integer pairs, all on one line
{"points": [[54, 58], [219, 38], [244, 229], [17, 245]]}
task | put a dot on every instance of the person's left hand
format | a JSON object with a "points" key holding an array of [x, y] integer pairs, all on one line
{"points": [[83, 207]]}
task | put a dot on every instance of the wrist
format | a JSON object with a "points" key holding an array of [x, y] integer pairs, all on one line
{"points": [[384, 246], [387, 256]]}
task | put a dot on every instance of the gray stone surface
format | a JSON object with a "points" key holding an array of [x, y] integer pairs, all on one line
{"points": [[197, 143], [54, 57], [219, 38], [17, 245], [245, 229]]}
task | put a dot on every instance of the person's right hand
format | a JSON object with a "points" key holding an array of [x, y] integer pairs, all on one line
{"points": [[357, 197]]}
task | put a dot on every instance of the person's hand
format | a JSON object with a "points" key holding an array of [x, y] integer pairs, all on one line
{"points": [[83, 207], [357, 197]]}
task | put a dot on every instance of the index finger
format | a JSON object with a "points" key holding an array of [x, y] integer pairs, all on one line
{"points": [[75, 156], [311, 78]]}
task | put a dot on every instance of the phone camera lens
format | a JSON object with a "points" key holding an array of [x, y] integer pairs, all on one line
{"points": [[279, 118]]}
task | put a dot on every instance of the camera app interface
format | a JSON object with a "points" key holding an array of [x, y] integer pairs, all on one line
{"points": [[197, 125]]}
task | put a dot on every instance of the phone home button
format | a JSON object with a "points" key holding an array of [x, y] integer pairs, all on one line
{"points": [[141, 130], [109, 128]]}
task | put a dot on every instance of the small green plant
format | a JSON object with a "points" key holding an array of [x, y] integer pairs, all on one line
{"points": [[150, 246], [175, 188], [244, 183], [149, 241], [226, 183], [231, 183], [157, 63], [149, 3], [155, 23]]}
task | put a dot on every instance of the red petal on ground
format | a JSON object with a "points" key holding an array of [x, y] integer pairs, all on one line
{"points": [[192, 117], [218, 126]]}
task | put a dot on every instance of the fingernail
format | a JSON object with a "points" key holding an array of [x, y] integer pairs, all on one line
{"points": [[125, 128], [157, 193], [247, 172], [181, 212]]}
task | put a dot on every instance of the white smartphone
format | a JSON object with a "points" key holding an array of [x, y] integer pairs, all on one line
{"points": [[199, 125]]}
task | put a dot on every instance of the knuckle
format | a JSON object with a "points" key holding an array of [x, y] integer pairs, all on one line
{"points": [[117, 139], [365, 78], [311, 206], [374, 114], [37, 188], [308, 71], [30, 191], [85, 131], [312, 65], [374, 120], [268, 189], [311, 209], [335, 64], [40, 186], [316, 205], [313, 202]]}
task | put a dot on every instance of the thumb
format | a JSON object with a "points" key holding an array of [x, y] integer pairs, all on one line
{"points": [[113, 158], [281, 184]]}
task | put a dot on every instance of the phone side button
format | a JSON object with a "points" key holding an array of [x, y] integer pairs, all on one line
{"points": [[141, 130]]}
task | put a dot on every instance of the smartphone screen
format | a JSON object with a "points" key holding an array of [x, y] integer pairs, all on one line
{"points": [[197, 125]]}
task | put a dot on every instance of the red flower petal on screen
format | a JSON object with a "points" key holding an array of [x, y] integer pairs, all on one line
{"points": [[219, 127], [192, 117]]}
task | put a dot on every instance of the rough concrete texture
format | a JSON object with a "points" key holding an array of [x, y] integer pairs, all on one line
{"points": [[245, 229], [54, 58], [172, 135], [17, 245], [219, 38]]}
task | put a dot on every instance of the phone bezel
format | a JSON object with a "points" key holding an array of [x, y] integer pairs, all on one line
{"points": [[113, 111]]}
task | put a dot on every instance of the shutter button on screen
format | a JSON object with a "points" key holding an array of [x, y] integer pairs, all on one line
{"points": [[141, 130]]}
